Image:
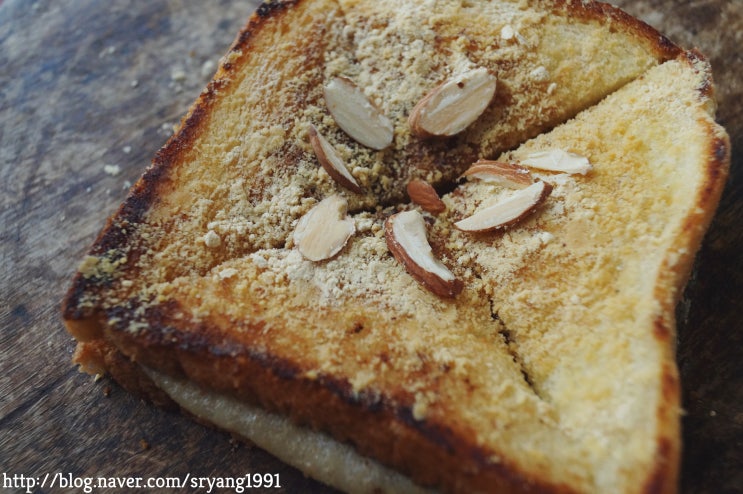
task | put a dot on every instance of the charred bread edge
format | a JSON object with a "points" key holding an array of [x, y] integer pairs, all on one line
{"points": [[91, 325]]}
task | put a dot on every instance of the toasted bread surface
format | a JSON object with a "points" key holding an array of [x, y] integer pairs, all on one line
{"points": [[514, 384]]}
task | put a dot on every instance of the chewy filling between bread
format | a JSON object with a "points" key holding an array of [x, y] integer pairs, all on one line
{"points": [[316, 454]]}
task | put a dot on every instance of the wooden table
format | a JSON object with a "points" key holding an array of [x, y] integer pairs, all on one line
{"points": [[88, 92]]}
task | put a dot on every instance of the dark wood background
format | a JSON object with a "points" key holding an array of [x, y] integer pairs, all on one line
{"points": [[88, 92]]}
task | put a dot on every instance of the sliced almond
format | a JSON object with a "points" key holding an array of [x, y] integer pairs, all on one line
{"points": [[557, 160], [453, 105], [324, 230], [500, 173], [356, 115], [508, 211], [406, 238], [423, 194], [331, 162]]}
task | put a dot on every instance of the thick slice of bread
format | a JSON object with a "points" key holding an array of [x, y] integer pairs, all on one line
{"points": [[553, 370]]}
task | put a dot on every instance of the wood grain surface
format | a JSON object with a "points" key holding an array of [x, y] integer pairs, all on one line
{"points": [[89, 90]]}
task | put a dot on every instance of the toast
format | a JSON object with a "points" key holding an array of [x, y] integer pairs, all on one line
{"points": [[540, 359]]}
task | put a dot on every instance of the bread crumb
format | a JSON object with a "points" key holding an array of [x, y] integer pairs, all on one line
{"points": [[212, 240], [109, 50], [208, 68], [546, 237], [167, 128], [112, 170], [178, 74], [227, 273], [507, 33], [88, 266], [539, 74]]}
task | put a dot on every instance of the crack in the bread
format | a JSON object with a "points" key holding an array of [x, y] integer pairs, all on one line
{"points": [[511, 346]]}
